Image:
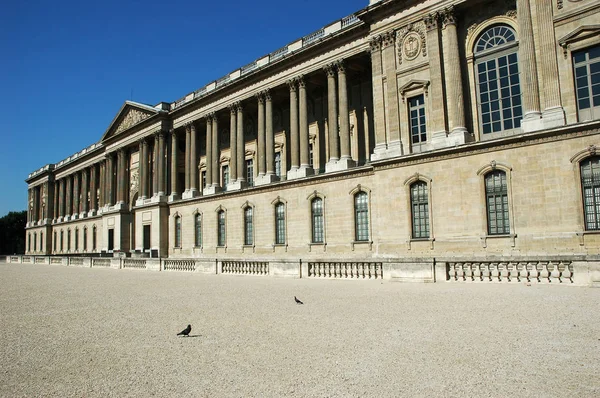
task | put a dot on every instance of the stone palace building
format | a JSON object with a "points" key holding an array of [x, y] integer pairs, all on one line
{"points": [[412, 140]]}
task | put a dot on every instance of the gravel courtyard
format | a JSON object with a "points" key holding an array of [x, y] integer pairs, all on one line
{"points": [[103, 332]]}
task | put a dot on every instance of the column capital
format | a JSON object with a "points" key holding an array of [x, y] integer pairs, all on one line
{"points": [[330, 69], [260, 96], [301, 81], [239, 107], [388, 38], [267, 95], [341, 67], [232, 108], [375, 43], [292, 85], [432, 21], [449, 16], [210, 116]]}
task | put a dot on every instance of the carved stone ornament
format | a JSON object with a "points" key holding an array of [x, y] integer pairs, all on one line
{"points": [[411, 41], [475, 18], [131, 118], [135, 181], [388, 38], [431, 21], [375, 43]]}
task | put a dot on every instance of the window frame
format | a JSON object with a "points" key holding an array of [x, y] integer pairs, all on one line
{"points": [[221, 227], [177, 231], [248, 224], [312, 197], [592, 112], [198, 238]]}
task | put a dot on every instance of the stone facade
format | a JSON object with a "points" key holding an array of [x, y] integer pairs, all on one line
{"points": [[413, 140]]}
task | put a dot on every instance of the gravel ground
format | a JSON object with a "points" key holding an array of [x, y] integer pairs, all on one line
{"points": [[102, 332]]}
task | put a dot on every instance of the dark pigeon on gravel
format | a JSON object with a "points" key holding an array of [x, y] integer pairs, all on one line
{"points": [[186, 331], [298, 301]]}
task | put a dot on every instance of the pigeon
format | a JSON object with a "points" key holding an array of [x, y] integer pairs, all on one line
{"points": [[298, 301], [186, 331]]}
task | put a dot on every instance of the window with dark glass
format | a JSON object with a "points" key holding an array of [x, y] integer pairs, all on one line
{"points": [[248, 226], [317, 220], [76, 239], [498, 86], [85, 239], [204, 179], [94, 238], [62, 235], [250, 172], [278, 164], [34, 241], [225, 176], [198, 230], [221, 228], [496, 193], [418, 129], [54, 241], [419, 203], [279, 223], [361, 216], [69, 240], [41, 241], [177, 231], [590, 185], [587, 82]]}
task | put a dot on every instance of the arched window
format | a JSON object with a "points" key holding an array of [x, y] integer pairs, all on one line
{"points": [[35, 241], [221, 228], [419, 206], [68, 240], [280, 223], [498, 87], [177, 231], [590, 185], [361, 216], [84, 239], [54, 241], [317, 220], [94, 238], [248, 226], [62, 240], [76, 239], [198, 230], [496, 194]]}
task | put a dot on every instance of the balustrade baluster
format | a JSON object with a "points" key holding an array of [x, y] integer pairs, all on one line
{"points": [[555, 274], [544, 273], [567, 274]]}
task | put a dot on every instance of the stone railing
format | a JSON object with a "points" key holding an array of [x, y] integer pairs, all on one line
{"points": [[76, 261], [134, 263], [40, 260], [14, 259], [179, 265], [101, 262], [55, 260], [26, 260], [306, 40], [245, 267], [507, 271], [345, 270]]}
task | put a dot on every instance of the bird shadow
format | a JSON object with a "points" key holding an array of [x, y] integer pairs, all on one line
{"points": [[193, 335]]}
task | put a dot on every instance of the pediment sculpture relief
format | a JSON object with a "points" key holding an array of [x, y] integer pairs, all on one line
{"points": [[132, 117]]}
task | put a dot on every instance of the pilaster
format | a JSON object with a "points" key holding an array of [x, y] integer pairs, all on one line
{"points": [[528, 68], [241, 164], [193, 162], [294, 133], [305, 167], [346, 160], [174, 161]]}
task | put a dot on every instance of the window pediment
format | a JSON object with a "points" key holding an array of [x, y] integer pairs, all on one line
{"points": [[414, 85], [580, 37]]}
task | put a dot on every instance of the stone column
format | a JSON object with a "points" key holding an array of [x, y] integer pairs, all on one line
{"points": [[193, 161], [36, 206], [125, 176], [241, 150], [48, 199], [233, 176], [305, 167], [209, 161], [110, 178], [119, 174], [345, 158], [56, 200], [294, 134], [160, 175], [332, 119], [93, 190], [61, 198], [69, 196], [553, 114], [392, 106], [215, 152], [437, 117], [188, 143], [155, 151], [380, 148], [174, 151], [454, 95], [76, 192], [84, 191], [261, 137], [528, 68], [269, 139], [102, 182], [144, 169]]}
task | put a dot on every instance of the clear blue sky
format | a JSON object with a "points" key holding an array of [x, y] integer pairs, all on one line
{"points": [[68, 66]]}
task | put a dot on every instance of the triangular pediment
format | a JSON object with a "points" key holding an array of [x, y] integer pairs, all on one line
{"points": [[582, 32], [130, 114]]}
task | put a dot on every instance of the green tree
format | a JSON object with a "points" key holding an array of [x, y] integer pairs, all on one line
{"points": [[12, 232]]}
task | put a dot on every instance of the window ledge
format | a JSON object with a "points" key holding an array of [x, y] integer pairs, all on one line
{"points": [[247, 248], [322, 244], [582, 234], [415, 240], [284, 246], [362, 243], [484, 239]]}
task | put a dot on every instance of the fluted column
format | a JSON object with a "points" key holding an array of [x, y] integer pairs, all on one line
{"points": [[56, 199], [144, 170], [303, 127], [436, 119], [332, 115], [378, 98], [76, 192], [233, 143], [528, 68], [209, 161], [261, 135], [69, 196], [392, 106], [155, 152], [102, 184], [119, 180], [36, 206], [269, 137], [345, 158], [294, 134], [110, 178], [241, 150], [84, 191], [61, 198], [215, 151], [454, 94], [193, 160], [93, 188], [553, 114], [174, 160], [188, 144]]}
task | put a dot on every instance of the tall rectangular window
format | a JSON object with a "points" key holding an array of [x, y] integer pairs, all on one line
{"points": [[418, 129], [225, 176], [587, 82], [76, 239], [248, 226], [62, 236], [111, 239], [250, 172], [94, 238], [278, 164], [361, 216], [177, 231], [35, 241], [198, 230], [279, 223], [419, 203], [69, 240], [203, 179], [41, 241], [54, 241], [317, 220], [85, 239], [496, 193], [311, 159], [590, 184], [221, 228]]}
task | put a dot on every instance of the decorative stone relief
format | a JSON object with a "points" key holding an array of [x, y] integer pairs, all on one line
{"points": [[135, 181], [411, 41], [482, 15], [132, 117]]}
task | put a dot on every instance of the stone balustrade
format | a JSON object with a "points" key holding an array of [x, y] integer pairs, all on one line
{"points": [[101, 262], [345, 270], [179, 265], [509, 271], [245, 267], [134, 263]]}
